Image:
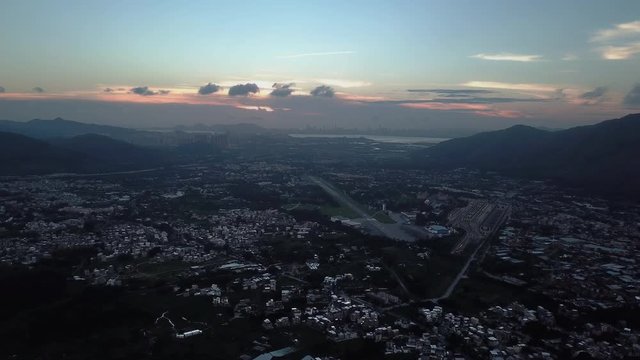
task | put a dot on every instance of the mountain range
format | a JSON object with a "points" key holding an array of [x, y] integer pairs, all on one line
{"points": [[22, 155], [61, 128], [604, 157]]}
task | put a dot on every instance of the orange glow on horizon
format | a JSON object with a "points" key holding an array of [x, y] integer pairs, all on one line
{"points": [[508, 114], [255, 108], [446, 106]]}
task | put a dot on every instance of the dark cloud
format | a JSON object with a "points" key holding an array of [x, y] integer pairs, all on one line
{"points": [[243, 89], [282, 90], [454, 95], [38, 89], [466, 100], [559, 94], [1, 89], [323, 90], [595, 93], [209, 89], [108, 90], [632, 99], [494, 100], [145, 91], [452, 92], [142, 90]]}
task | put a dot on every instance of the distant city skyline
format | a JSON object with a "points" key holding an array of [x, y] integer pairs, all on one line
{"points": [[355, 64]]}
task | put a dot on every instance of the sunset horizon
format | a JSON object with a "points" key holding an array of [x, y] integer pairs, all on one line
{"points": [[354, 65]]}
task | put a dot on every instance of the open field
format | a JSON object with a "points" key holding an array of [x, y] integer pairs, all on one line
{"points": [[383, 218], [376, 224], [341, 210]]}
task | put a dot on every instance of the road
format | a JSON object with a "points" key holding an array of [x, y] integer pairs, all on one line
{"points": [[460, 275], [472, 257], [398, 280]]}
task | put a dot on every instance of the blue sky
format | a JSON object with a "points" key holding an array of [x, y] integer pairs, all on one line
{"points": [[568, 61]]}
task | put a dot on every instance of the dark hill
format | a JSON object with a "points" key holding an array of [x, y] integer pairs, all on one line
{"points": [[110, 151], [604, 157], [491, 150], [23, 155], [43, 129]]}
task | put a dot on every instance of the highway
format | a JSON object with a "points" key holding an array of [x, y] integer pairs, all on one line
{"points": [[503, 217], [460, 275]]}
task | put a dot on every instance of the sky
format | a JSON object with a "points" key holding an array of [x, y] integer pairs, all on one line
{"points": [[463, 64]]}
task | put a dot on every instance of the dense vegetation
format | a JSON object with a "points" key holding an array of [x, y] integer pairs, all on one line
{"points": [[604, 157]]}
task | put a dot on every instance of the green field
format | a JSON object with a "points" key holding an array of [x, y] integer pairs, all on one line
{"points": [[339, 211], [383, 218]]}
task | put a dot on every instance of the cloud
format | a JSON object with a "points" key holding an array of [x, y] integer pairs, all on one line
{"points": [[632, 99], [362, 98], [142, 90], [444, 106], [508, 114], [478, 109], [452, 92], [145, 91], [128, 109], [326, 53], [344, 83], [243, 89], [621, 42], [255, 108], [2, 89], [282, 90], [38, 89], [559, 94], [323, 90], [209, 89], [108, 90], [512, 86], [491, 100], [623, 52], [570, 57], [508, 57], [595, 93], [464, 101], [618, 31]]}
